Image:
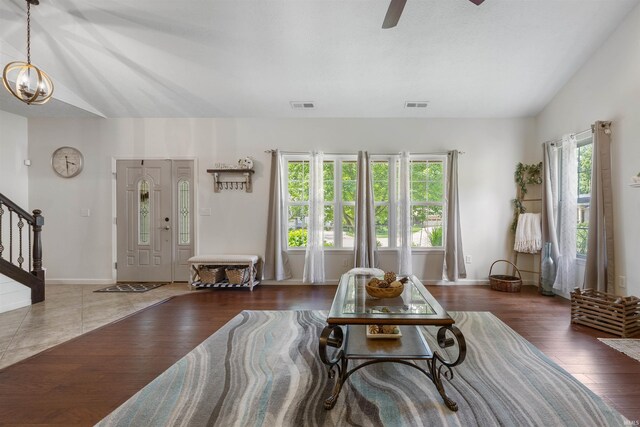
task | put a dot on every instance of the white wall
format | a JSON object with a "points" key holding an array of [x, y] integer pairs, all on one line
{"points": [[80, 248], [14, 183], [607, 87], [14, 175]]}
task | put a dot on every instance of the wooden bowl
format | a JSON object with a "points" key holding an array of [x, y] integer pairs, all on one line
{"points": [[376, 292]]}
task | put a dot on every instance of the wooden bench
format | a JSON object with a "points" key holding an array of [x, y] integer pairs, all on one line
{"points": [[252, 262]]}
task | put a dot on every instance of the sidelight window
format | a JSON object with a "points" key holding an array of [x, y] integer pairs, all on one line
{"points": [[184, 235]]}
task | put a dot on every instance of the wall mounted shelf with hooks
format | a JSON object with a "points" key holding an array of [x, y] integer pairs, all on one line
{"points": [[220, 184]]}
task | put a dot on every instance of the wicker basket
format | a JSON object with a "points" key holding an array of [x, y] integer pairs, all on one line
{"points": [[610, 313], [238, 276], [210, 274], [377, 292], [503, 282]]}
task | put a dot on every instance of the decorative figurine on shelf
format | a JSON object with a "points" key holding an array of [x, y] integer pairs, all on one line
{"points": [[548, 275], [245, 163]]}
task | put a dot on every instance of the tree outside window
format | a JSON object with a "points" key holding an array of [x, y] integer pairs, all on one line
{"points": [[585, 151], [298, 202], [328, 173], [380, 175], [427, 203], [340, 174]]}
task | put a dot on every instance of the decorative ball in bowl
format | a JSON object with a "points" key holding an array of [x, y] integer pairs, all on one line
{"points": [[388, 287]]}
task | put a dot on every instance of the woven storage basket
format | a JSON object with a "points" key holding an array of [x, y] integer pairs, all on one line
{"points": [[209, 274], [503, 282], [610, 313], [376, 292], [238, 276]]}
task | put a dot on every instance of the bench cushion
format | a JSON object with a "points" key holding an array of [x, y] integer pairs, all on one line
{"points": [[223, 259]]}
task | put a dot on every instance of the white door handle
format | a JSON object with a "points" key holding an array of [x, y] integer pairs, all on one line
{"points": [[166, 227]]}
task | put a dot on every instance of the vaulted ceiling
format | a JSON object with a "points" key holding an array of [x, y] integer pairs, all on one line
{"points": [[250, 58]]}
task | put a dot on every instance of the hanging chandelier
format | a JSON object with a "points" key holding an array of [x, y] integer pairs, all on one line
{"points": [[30, 84]]}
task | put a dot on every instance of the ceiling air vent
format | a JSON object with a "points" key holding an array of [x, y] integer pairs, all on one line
{"points": [[416, 104], [303, 105]]}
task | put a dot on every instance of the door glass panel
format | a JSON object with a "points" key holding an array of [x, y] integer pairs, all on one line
{"points": [[144, 211], [183, 213]]}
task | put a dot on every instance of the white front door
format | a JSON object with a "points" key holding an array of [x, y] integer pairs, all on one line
{"points": [[154, 219]]}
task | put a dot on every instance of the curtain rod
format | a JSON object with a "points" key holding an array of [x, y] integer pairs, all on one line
{"points": [[580, 135], [442, 153]]}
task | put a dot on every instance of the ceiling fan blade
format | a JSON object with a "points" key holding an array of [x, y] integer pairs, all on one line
{"points": [[476, 2], [393, 13]]}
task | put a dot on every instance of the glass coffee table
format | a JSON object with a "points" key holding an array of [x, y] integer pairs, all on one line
{"points": [[344, 338]]}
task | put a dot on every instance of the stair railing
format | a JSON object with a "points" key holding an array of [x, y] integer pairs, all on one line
{"points": [[13, 220]]}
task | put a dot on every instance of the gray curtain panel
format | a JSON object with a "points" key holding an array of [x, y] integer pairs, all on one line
{"points": [[550, 197], [599, 270], [453, 254], [276, 260], [365, 250]]}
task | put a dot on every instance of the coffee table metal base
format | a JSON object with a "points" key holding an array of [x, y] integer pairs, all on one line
{"points": [[354, 346]]}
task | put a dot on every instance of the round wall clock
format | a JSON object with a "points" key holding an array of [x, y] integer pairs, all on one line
{"points": [[67, 162]]}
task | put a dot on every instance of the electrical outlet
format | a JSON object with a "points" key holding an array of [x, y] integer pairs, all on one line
{"points": [[622, 282], [467, 259], [345, 263]]}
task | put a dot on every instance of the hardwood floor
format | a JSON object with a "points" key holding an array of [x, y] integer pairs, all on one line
{"points": [[81, 381]]}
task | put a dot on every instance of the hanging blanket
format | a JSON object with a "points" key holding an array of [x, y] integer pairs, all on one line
{"points": [[528, 233]]}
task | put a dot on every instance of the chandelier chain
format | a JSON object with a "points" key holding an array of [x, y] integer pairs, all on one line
{"points": [[28, 33]]}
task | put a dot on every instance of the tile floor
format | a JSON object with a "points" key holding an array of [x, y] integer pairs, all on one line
{"points": [[67, 312]]}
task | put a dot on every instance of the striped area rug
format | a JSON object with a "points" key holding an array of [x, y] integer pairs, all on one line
{"points": [[262, 369]]}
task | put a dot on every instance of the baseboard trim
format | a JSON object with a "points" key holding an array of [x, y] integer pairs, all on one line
{"points": [[15, 305], [296, 282], [288, 282], [79, 282]]}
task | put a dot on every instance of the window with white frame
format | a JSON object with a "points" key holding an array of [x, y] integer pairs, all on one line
{"points": [[340, 175], [585, 150], [339, 186], [427, 201]]}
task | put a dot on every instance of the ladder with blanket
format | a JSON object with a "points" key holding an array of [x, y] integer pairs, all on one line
{"points": [[527, 227]]}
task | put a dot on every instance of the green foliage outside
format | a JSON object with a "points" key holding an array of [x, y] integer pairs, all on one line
{"points": [[581, 239], [435, 236], [585, 153], [584, 169], [298, 181], [298, 238], [427, 185]]}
